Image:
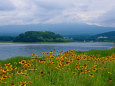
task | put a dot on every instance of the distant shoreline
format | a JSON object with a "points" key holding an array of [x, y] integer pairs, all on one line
{"points": [[34, 42], [59, 42]]}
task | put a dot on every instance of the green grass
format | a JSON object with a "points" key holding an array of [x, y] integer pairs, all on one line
{"points": [[106, 52], [55, 71]]}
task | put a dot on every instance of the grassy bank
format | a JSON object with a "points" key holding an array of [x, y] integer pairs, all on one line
{"points": [[68, 68]]}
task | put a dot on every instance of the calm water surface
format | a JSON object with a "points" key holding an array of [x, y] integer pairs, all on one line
{"points": [[8, 50]]}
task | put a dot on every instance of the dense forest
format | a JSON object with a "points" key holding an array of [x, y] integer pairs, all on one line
{"points": [[38, 36], [6, 38]]}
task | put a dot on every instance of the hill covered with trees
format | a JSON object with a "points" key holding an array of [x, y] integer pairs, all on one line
{"points": [[38, 36], [104, 37]]}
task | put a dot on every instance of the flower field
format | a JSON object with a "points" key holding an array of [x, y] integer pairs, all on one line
{"points": [[65, 68]]}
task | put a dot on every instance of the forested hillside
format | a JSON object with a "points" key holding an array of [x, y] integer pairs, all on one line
{"points": [[104, 37], [37, 36]]}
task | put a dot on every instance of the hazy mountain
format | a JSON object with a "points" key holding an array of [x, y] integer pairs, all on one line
{"points": [[64, 29]]}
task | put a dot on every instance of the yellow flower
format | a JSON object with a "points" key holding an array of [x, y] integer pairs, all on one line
{"points": [[101, 69], [91, 75], [3, 82], [110, 79], [4, 77], [51, 52], [77, 68], [33, 69], [5, 70], [87, 70], [109, 73], [52, 57], [22, 84], [14, 68], [19, 72], [105, 67], [34, 54], [38, 57], [26, 76], [44, 53], [57, 67], [33, 57], [94, 69], [12, 84], [42, 73], [29, 82], [22, 62], [15, 63], [73, 72], [8, 65]]}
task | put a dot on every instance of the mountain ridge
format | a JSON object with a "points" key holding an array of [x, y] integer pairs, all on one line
{"points": [[63, 29]]}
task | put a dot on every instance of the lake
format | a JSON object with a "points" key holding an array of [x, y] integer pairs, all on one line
{"points": [[8, 50]]}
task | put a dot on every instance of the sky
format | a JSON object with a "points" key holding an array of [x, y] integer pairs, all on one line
{"points": [[25, 12]]}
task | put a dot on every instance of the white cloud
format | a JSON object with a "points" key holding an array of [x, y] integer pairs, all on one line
{"points": [[57, 11], [6, 5], [108, 19]]}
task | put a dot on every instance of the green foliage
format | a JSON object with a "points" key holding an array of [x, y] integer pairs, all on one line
{"points": [[6, 38], [104, 37], [37, 36]]}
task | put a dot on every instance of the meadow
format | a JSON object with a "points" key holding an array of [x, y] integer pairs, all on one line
{"points": [[65, 68]]}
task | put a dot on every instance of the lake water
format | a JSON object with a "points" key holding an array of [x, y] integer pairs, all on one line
{"points": [[8, 50]]}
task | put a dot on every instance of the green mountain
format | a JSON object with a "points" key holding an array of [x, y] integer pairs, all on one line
{"points": [[38, 36], [104, 37]]}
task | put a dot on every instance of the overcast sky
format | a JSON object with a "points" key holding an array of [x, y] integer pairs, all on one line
{"points": [[92, 12]]}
